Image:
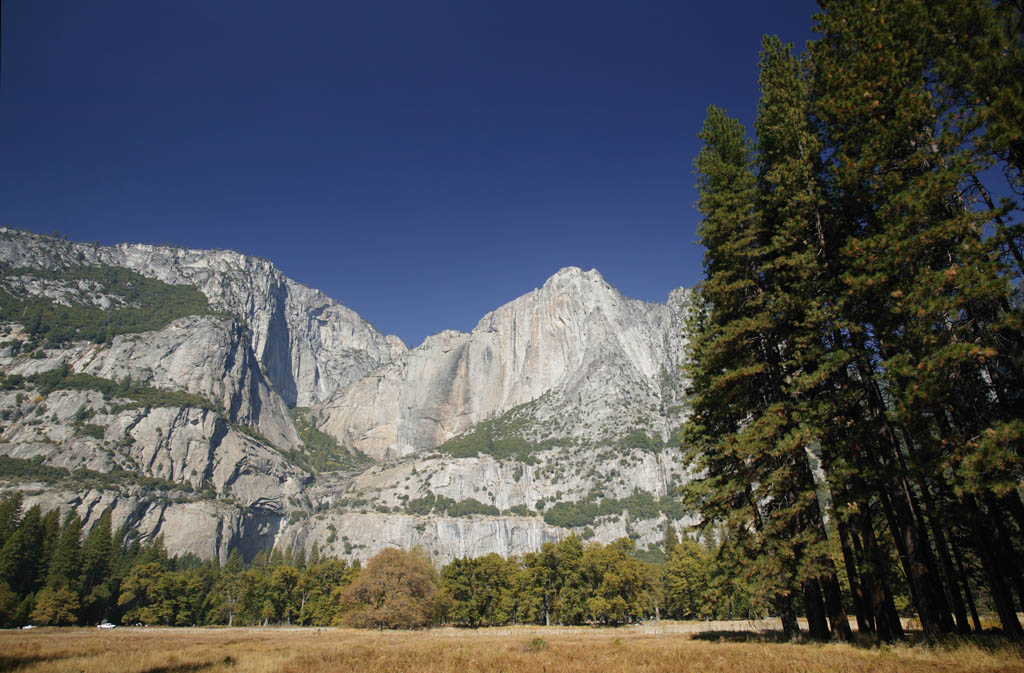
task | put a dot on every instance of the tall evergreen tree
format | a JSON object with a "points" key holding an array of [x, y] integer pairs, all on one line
{"points": [[97, 558], [10, 515], [924, 307], [735, 387], [22, 560], [857, 307], [65, 565]]}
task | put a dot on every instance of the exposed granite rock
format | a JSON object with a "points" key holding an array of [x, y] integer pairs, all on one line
{"points": [[556, 475], [571, 361], [310, 345], [206, 528], [578, 346]]}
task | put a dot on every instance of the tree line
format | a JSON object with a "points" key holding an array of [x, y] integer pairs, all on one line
{"points": [[51, 572], [856, 345]]}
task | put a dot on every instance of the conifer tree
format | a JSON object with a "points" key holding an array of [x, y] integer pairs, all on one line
{"points": [[97, 557], [22, 563], [735, 390], [857, 307], [65, 565], [924, 306], [10, 515], [796, 286]]}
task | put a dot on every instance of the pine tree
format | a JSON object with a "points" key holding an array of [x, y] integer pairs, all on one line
{"points": [[22, 560], [97, 558], [10, 515], [925, 321], [795, 281], [65, 565], [230, 584], [738, 411]]}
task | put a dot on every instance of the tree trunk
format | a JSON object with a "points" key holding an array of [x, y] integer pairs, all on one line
{"points": [[1008, 557], [876, 562], [860, 606], [911, 541], [959, 611], [839, 622], [998, 588], [814, 607], [790, 627], [968, 594]]}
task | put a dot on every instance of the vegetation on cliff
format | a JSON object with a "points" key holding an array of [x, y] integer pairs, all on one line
{"points": [[140, 304]]}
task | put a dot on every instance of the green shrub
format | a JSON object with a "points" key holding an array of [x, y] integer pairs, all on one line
{"points": [[641, 506], [440, 504], [536, 645], [250, 431], [149, 304], [502, 437], [31, 470], [90, 430], [638, 439], [82, 478], [11, 382], [139, 396], [319, 451], [471, 507]]}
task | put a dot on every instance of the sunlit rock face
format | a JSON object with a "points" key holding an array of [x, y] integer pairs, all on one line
{"points": [[309, 345], [572, 367], [575, 345]]}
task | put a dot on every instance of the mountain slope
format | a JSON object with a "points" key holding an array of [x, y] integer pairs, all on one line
{"points": [[310, 345], [205, 397], [575, 345]]}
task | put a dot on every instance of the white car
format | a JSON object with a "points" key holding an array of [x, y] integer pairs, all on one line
{"points": [[106, 625]]}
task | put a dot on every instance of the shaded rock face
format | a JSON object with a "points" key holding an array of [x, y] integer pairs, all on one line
{"points": [[203, 355], [206, 528], [572, 361], [576, 344]]}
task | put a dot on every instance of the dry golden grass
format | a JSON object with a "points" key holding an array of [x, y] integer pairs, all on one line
{"points": [[512, 650]]}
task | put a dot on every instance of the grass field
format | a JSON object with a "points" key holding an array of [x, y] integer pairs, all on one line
{"points": [[513, 650]]}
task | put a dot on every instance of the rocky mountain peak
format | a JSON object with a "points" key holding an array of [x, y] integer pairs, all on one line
{"points": [[566, 341], [268, 414], [310, 345]]}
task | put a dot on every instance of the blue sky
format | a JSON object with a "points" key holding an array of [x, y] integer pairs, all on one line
{"points": [[421, 162]]}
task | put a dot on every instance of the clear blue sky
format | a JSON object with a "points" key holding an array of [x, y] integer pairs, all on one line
{"points": [[422, 162]]}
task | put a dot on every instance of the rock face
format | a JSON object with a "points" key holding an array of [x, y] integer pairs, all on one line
{"points": [[593, 355], [187, 429], [204, 356], [310, 345]]}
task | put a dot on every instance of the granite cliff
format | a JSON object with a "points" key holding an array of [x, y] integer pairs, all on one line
{"points": [[205, 397]]}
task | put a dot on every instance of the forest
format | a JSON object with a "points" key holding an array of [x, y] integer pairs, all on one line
{"points": [[51, 572], [856, 354]]}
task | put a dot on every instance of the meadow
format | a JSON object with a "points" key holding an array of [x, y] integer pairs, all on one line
{"points": [[666, 647]]}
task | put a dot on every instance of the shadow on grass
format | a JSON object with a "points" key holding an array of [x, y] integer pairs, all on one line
{"points": [[771, 636], [189, 668], [862, 640], [992, 641], [12, 663]]}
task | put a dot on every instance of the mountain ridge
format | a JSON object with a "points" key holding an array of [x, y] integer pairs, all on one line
{"points": [[571, 373]]}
